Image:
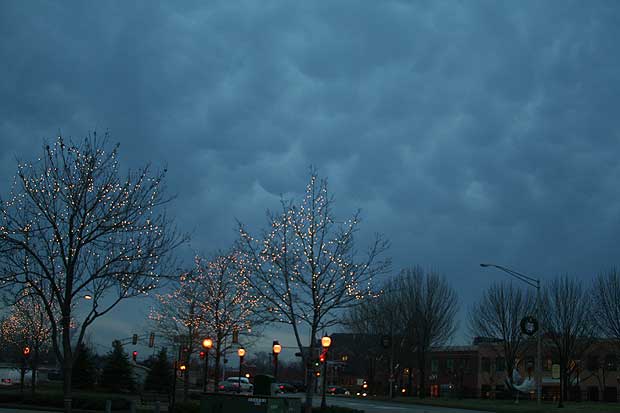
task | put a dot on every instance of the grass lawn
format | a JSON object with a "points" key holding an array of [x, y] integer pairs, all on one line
{"points": [[508, 406]]}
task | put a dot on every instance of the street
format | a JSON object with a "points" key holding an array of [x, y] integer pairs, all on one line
{"points": [[372, 406]]}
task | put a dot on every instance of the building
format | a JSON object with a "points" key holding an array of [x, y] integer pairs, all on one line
{"points": [[476, 370]]}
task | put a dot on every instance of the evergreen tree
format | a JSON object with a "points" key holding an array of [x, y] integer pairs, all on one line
{"points": [[84, 374], [118, 372], [159, 378]]}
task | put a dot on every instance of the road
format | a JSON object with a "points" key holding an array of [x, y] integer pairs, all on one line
{"points": [[372, 406], [368, 406]]}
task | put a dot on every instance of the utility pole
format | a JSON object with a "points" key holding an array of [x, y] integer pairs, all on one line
{"points": [[535, 283]]}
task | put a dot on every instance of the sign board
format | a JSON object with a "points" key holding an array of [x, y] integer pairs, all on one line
{"points": [[555, 371]]}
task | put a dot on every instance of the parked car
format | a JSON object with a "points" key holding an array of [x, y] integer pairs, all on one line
{"points": [[226, 386], [285, 388], [338, 390], [246, 386]]}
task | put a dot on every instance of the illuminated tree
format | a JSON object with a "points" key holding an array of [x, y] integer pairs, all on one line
{"points": [[230, 302], [179, 317], [27, 326], [212, 301], [91, 238], [306, 268]]}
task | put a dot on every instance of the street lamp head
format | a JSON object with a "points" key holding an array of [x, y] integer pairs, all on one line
{"points": [[326, 341], [88, 297], [241, 352], [277, 348], [207, 343]]}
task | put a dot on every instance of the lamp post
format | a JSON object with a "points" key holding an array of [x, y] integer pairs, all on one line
{"points": [[277, 348], [326, 341], [207, 344], [532, 282], [241, 354]]}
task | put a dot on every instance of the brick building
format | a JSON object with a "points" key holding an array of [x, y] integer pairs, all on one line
{"points": [[476, 370]]}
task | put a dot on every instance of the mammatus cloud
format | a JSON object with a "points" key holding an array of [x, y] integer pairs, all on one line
{"points": [[466, 131]]}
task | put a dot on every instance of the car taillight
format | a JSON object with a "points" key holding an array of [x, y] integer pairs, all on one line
{"points": [[221, 387], [332, 389], [281, 387]]}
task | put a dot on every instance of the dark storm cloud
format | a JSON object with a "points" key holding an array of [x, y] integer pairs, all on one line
{"points": [[465, 131]]}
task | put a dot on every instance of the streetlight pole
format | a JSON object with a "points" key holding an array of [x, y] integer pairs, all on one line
{"points": [[241, 353], [326, 341], [207, 343], [276, 349], [532, 282]]}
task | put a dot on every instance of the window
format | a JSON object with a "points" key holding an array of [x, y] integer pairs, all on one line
{"points": [[434, 366], [547, 364], [611, 362], [500, 364], [450, 364]]}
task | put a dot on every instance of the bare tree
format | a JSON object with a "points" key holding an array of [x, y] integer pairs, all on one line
{"points": [[306, 267], [86, 232], [371, 320], [498, 315], [427, 305], [567, 322], [606, 300]]}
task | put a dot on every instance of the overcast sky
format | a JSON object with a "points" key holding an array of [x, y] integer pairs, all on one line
{"points": [[466, 131]]}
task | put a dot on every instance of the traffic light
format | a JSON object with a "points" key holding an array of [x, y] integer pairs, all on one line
{"points": [[26, 351], [317, 364], [134, 355], [202, 355], [152, 340], [134, 339], [318, 374], [322, 358]]}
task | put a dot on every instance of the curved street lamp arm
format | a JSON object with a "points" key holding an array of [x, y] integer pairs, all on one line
{"points": [[532, 282]]}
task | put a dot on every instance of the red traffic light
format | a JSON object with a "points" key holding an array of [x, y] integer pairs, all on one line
{"points": [[202, 355], [134, 355], [26, 351]]}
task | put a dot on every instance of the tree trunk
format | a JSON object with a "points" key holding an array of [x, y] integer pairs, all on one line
{"points": [[67, 363], [22, 378], [66, 385], [309, 382], [422, 381], [216, 368], [34, 365], [562, 383], [186, 382]]}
